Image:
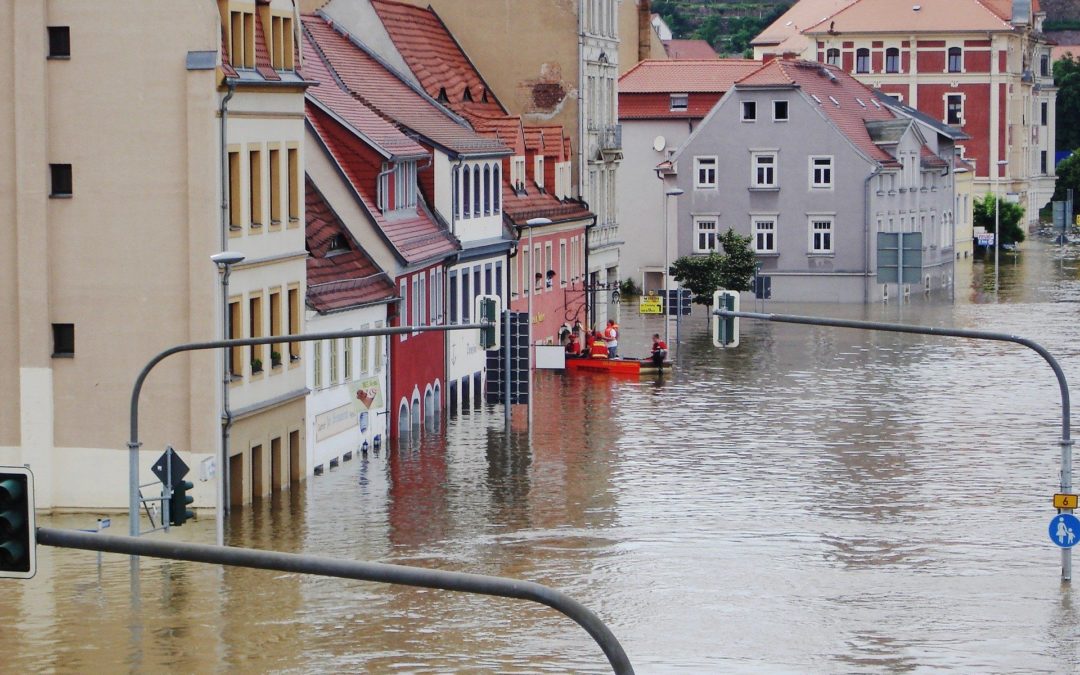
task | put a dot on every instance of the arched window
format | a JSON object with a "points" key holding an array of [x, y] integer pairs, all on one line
{"points": [[862, 60], [417, 418], [956, 59], [403, 420], [476, 190], [465, 191], [496, 189], [487, 189], [456, 190], [832, 56], [892, 60]]}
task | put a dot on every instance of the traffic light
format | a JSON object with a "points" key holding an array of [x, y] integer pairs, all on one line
{"points": [[725, 330], [178, 505], [488, 311], [18, 536]]}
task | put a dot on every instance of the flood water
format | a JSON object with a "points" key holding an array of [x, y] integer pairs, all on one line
{"points": [[817, 500]]}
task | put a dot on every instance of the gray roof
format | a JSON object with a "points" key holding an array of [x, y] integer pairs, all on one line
{"points": [[938, 126]]}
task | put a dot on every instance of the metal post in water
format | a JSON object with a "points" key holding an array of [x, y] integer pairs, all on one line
{"points": [[506, 369], [1066, 488]]}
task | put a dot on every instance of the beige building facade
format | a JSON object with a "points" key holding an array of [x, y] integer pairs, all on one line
{"points": [[118, 186]]}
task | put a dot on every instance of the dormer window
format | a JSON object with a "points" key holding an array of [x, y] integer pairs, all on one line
{"points": [[680, 102], [242, 39], [338, 244], [281, 42], [538, 169], [442, 97], [397, 186], [517, 172], [467, 95]]}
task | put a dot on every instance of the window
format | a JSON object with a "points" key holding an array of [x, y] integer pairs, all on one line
{"points": [[538, 171], [780, 111], [538, 268], [63, 339], [334, 375], [956, 59], [892, 60], [416, 299], [275, 328], [548, 265], [487, 279], [487, 191], [281, 43], [255, 187], [498, 279], [680, 102], [1044, 65], [294, 322], [346, 358], [453, 297], [764, 231], [59, 42], [476, 190], [1044, 113], [404, 196], [378, 349], [365, 351], [821, 236], [704, 172], [275, 186], [294, 185], [466, 298], [562, 262], [242, 39], [235, 205], [403, 307], [1042, 162], [316, 364], [255, 321], [236, 328], [832, 56], [526, 265], [61, 180], [465, 191], [749, 111], [862, 60], [954, 109], [764, 170], [424, 298], [456, 191], [821, 170], [496, 189], [704, 235]]}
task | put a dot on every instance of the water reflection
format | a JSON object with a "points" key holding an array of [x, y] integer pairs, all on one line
{"points": [[817, 500]]}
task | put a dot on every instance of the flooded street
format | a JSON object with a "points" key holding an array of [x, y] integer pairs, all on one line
{"points": [[817, 500]]}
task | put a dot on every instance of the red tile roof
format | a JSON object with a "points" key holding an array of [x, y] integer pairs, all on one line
{"points": [[519, 209], [785, 34], [932, 16], [413, 234], [689, 49], [329, 95], [436, 58], [846, 102], [338, 279], [506, 129], [658, 76], [390, 96]]}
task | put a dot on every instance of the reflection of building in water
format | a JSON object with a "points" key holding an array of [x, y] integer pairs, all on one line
{"points": [[417, 510]]}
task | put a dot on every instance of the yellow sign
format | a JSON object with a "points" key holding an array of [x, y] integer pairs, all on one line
{"points": [[651, 304], [1062, 501]]}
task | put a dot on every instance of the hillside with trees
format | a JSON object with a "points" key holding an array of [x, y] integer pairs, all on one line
{"points": [[727, 26]]}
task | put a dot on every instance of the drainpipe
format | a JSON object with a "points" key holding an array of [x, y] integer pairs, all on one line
{"points": [[226, 412], [585, 284], [866, 232]]}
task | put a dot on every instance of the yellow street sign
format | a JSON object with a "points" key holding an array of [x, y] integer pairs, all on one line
{"points": [[1063, 501], [651, 304]]}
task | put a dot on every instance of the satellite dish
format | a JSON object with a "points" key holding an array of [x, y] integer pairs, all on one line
{"points": [[659, 143]]}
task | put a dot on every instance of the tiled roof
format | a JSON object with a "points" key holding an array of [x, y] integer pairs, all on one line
{"points": [[785, 34], [519, 209], [689, 49], [658, 76], [846, 102], [552, 135], [341, 278], [658, 106], [931, 160], [435, 58], [391, 97], [414, 234], [362, 119], [931, 16], [506, 129], [263, 71]]}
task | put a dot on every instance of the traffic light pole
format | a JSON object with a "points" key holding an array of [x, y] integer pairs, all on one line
{"points": [[1066, 438], [133, 441], [350, 569]]}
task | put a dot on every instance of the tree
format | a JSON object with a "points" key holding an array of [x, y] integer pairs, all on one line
{"points": [[1068, 176], [1009, 221], [1067, 80], [732, 270]]}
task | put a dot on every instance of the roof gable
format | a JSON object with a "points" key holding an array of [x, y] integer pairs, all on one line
{"points": [[924, 16], [658, 76]]}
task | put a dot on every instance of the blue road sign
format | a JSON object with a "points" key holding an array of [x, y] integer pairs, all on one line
{"points": [[1065, 530]]}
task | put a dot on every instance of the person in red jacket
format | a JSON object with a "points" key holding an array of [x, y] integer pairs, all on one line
{"points": [[659, 351], [598, 350]]}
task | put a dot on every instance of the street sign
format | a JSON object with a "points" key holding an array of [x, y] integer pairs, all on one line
{"points": [[679, 301], [651, 304], [1064, 501], [161, 467], [1065, 530], [763, 287]]}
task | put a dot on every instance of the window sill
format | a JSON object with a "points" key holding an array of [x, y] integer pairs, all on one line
{"points": [[294, 222], [60, 195], [821, 188], [822, 254], [58, 57], [64, 355], [766, 254], [764, 188], [751, 120], [705, 187]]}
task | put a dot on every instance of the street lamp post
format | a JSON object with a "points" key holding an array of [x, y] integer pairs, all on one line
{"points": [[224, 260], [997, 218], [673, 192]]}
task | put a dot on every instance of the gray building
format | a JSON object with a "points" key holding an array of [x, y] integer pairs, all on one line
{"points": [[812, 166]]}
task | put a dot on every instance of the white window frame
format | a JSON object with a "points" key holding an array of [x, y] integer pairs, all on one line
{"points": [[834, 51], [714, 230], [680, 102], [755, 163], [703, 185], [562, 263], [815, 184], [812, 221], [787, 111], [758, 219], [963, 101], [403, 307], [748, 107], [899, 60]]}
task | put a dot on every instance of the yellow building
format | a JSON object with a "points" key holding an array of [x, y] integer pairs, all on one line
{"points": [[123, 176]]}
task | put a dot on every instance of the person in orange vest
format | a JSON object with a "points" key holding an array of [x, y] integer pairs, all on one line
{"points": [[598, 350], [659, 351], [611, 339]]}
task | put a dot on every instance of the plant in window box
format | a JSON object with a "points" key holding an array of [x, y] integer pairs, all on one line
{"points": [[293, 358], [256, 365], [275, 359]]}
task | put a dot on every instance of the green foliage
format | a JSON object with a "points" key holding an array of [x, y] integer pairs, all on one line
{"points": [[1061, 24], [1068, 176], [628, 288], [1009, 222], [728, 27], [732, 270], [1067, 79]]}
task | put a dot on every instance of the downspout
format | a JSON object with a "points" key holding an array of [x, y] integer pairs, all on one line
{"points": [[586, 285], [866, 232], [226, 377]]}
